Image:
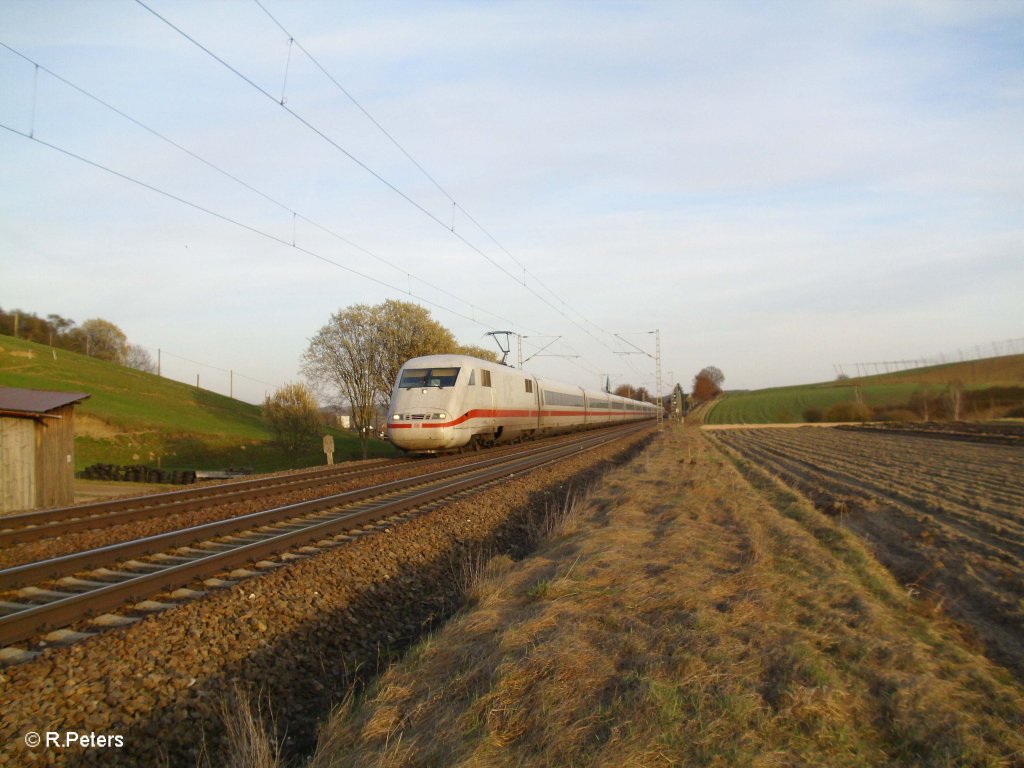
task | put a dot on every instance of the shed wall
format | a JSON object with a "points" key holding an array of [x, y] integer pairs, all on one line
{"points": [[17, 468], [54, 453]]}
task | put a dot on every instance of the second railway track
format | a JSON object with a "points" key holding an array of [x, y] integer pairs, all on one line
{"points": [[48, 523], [61, 591]]}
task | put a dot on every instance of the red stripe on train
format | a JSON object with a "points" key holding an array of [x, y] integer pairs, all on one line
{"points": [[484, 413]]}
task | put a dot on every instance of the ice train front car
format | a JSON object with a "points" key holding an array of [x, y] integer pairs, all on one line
{"points": [[444, 403]]}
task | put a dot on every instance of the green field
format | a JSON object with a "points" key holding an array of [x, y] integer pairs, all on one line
{"points": [[886, 395], [133, 417]]}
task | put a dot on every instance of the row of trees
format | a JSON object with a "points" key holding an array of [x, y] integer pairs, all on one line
{"points": [[634, 393], [355, 357], [95, 337]]}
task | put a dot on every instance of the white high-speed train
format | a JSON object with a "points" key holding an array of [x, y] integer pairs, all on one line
{"points": [[444, 403]]}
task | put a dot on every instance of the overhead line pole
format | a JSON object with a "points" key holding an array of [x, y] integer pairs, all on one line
{"points": [[657, 366], [657, 354]]}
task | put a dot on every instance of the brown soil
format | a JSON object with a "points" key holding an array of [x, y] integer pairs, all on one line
{"points": [[947, 518]]}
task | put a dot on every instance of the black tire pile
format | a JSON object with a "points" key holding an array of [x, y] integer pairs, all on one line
{"points": [[138, 473]]}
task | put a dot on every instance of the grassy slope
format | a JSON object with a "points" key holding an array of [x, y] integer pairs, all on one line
{"points": [[781, 404], [134, 417], [688, 617]]}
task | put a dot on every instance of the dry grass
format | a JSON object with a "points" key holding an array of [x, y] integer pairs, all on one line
{"points": [[249, 727], [683, 617]]}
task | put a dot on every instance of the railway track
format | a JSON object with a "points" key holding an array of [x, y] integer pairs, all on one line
{"points": [[49, 523], [61, 591]]}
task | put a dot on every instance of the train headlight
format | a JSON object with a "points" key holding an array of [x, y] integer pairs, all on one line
{"points": [[396, 417]]}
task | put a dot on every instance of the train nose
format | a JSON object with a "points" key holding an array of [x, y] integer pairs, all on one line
{"points": [[418, 430]]}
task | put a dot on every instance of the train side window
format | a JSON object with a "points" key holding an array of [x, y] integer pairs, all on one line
{"points": [[485, 378], [529, 386]]}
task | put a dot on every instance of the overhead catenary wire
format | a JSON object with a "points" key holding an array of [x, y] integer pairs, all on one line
{"points": [[235, 222], [368, 169], [227, 174], [472, 317], [355, 102], [419, 166], [232, 221], [427, 174], [37, 67], [349, 155]]}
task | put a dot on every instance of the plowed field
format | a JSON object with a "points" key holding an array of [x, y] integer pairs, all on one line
{"points": [[947, 518]]}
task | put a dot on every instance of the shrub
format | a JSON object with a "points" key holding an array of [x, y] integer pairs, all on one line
{"points": [[812, 415], [293, 416], [848, 412]]}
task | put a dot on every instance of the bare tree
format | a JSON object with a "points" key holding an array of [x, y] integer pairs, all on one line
{"points": [[359, 352], [344, 355], [104, 340], [138, 357], [402, 331]]}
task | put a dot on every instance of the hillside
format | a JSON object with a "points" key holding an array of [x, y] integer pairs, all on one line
{"points": [[992, 388], [134, 417]]}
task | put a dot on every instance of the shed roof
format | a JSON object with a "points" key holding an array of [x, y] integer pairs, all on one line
{"points": [[31, 402]]}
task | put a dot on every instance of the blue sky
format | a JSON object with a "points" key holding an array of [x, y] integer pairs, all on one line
{"points": [[775, 187]]}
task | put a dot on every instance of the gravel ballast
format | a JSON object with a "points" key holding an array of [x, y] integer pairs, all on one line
{"points": [[298, 637]]}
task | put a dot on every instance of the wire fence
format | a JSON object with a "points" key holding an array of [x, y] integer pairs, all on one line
{"points": [[222, 381], [962, 354]]}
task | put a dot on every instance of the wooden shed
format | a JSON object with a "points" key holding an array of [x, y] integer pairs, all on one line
{"points": [[37, 448]]}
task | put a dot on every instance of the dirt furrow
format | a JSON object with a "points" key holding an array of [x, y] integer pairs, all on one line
{"points": [[980, 467], [949, 558], [980, 470], [916, 484]]}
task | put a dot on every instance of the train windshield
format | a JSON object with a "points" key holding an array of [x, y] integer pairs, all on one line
{"points": [[428, 377]]}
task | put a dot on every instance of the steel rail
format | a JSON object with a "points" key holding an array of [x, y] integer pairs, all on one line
{"points": [[30, 573], [47, 523], [32, 620]]}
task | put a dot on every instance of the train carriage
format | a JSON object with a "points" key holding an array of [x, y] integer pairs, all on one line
{"points": [[563, 407], [443, 403]]}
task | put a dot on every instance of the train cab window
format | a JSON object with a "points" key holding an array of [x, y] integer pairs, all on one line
{"points": [[529, 385], [429, 377], [485, 378]]}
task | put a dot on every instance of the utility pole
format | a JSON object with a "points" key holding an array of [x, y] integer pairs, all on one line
{"points": [[657, 362], [657, 354]]}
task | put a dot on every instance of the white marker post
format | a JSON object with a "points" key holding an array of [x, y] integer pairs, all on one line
{"points": [[329, 449]]}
